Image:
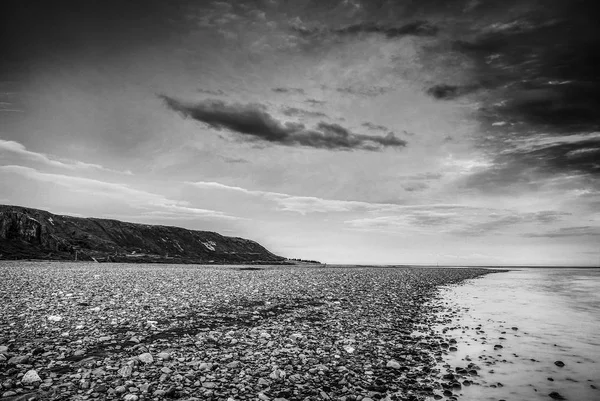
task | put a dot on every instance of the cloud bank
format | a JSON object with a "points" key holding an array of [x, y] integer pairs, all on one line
{"points": [[252, 122]]}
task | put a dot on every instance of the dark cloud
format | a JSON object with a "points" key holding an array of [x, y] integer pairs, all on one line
{"points": [[293, 111], [526, 164], [217, 92], [415, 187], [414, 28], [368, 91], [298, 91], [254, 123], [539, 64], [375, 127], [447, 92]]}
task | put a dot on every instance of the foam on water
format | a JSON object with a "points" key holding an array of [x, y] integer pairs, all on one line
{"points": [[556, 316]]}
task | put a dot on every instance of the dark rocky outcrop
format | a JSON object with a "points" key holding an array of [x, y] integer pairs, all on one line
{"points": [[36, 234]]}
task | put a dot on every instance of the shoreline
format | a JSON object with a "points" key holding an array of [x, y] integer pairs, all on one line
{"points": [[215, 333], [514, 339]]}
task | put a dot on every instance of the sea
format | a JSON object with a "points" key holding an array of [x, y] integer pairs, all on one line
{"points": [[520, 326]]}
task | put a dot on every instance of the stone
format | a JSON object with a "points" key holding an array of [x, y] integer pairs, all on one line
{"points": [[120, 389], [560, 364], [126, 371], [79, 352], [263, 397], [392, 364], [164, 356], [3, 349], [101, 388], [205, 366], [146, 357], [349, 349], [209, 384], [166, 370], [55, 318], [8, 394], [31, 377], [233, 364], [556, 396], [131, 397], [18, 360]]}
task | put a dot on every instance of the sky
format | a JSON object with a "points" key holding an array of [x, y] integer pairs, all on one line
{"points": [[458, 132]]}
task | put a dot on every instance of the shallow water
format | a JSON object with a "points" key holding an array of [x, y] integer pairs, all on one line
{"points": [[555, 314]]}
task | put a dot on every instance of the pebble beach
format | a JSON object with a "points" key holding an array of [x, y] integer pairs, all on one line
{"points": [[150, 332]]}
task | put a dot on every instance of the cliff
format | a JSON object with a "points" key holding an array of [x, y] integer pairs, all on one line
{"points": [[36, 234]]}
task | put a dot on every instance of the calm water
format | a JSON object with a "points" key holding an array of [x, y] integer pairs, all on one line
{"points": [[556, 314]]}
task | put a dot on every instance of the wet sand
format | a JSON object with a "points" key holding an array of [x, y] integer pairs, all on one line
{"points": [[140, 332], [530, 335]]}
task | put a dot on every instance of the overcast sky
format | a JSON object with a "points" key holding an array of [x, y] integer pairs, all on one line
{"points": [[431, 131]]}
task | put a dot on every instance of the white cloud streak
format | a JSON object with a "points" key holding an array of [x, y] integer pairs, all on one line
{"points": [[146, 201], [18, 149]]}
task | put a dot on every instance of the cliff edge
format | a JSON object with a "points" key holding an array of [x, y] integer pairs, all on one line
{"points": [[27, 233]]}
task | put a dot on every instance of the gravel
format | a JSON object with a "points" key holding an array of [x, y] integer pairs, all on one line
{"points": [[149, 332]]}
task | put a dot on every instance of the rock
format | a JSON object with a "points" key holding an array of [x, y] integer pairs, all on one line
{"points": [[101, 388], [166, 370], [146, 357], [349, 349], [556, 396], [2, 358], [263, 397], [233, 365], [263, 382], [131, 397], [3, 349], [55, 318], [18, 360], [209, 385], [126, 371], [164, 356], [277, 374], [159, 393], [498, 346], [104, 339], [560, 364], [31, 377], [120, 389], [145, 388], [204, 366], [8, 394], [79, 352], [393, 364]]}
